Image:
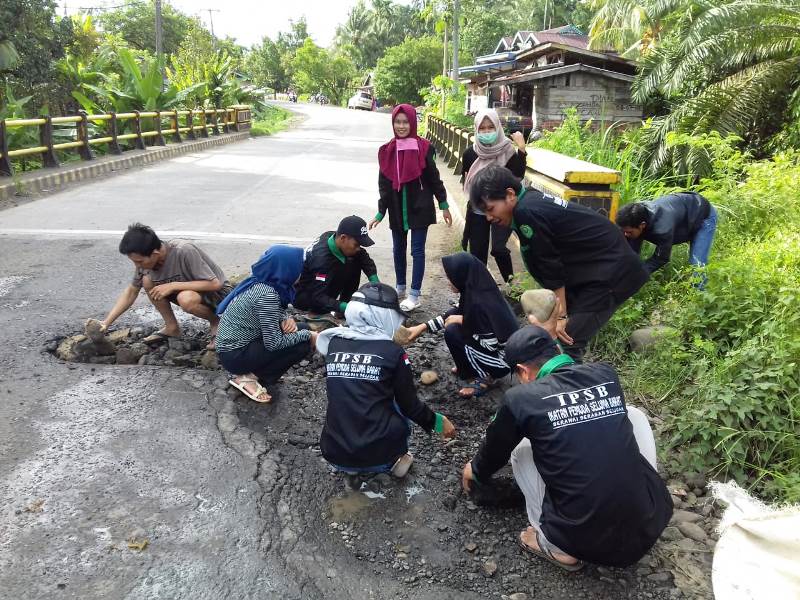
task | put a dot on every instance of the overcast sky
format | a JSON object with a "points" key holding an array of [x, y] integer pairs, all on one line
{"points": [[250, 20]]}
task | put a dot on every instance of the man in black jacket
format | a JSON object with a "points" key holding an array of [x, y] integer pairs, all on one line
{"points": [[584, 461], [567, 248], [332, 268], [685, 217]]}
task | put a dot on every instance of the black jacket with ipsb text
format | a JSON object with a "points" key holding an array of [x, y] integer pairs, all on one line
{"points": [[371, 395], [322, 271], [566, 244], [604, 503], [674, 219]]}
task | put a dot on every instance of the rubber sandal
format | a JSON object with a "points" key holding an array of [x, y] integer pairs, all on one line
{"points": [[480, 387], [547, 555], [159, 337], [260, 389]]}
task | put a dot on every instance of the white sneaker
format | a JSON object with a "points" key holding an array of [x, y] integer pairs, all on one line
{"points": [[410, 303]]}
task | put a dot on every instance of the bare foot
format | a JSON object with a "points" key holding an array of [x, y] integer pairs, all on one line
{"points": [[251, 385], [528, 537]]}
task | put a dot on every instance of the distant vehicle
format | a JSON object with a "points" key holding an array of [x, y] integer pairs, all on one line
{"points": [[292, 97], [513, 121], [362, 100]]}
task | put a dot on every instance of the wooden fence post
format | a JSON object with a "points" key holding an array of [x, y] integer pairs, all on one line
{"points": [[225, 128], [160, 136], [137, 129], [214, 127], [46, 139], [5, 161], [83, 135], [176, 136], [190, 124], [113, 145]]}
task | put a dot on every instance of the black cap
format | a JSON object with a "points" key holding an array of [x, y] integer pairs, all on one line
{"points": [[355, 227], [378, 294], [527, 344]]}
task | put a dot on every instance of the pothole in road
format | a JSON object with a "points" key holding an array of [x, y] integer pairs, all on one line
{"points": [[126, 347]]}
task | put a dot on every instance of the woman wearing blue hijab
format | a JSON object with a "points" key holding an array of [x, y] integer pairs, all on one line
{"points": [[257, 341]]}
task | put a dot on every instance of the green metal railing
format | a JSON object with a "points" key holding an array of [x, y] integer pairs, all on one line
{"points": [[174, 125]]}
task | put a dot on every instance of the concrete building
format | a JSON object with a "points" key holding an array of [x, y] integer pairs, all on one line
{"points": [[540, 74]]}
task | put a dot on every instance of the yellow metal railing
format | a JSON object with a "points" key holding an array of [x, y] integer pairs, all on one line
{"points": [[552, 173], [190, 124]]}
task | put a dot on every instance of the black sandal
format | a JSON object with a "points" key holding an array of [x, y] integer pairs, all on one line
{"points": [[547, 555]]}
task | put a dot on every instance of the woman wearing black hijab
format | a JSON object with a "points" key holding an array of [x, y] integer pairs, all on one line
{"points": [[477, 329]]}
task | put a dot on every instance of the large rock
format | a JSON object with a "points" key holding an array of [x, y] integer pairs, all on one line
{"points": [[120, 335], [647, 337], [70, 350], [209, 360], [538, 303], [693, 531], [126, 356], [94, 330]]}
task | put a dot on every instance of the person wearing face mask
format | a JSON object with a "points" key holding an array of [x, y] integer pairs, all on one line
{"points": [[491, 147], [408, 181]]}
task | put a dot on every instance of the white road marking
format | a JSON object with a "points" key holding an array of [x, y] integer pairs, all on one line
{"points": [[103, 233]]}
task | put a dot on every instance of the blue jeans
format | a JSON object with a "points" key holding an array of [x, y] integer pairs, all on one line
{"points": [[700, 246], [399, 244]]}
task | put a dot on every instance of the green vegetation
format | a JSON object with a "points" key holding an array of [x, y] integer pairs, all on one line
{"points": [[269, 119], [408, 68], [727, 382]]}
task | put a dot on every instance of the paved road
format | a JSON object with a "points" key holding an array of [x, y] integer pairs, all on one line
{"points": [[91, 456], [232, 496]]}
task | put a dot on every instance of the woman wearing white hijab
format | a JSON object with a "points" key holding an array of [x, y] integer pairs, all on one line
{"points": [[370, 385], [491, 147]]}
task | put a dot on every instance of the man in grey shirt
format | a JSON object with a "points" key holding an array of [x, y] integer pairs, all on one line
{"points": [[173, 272]]}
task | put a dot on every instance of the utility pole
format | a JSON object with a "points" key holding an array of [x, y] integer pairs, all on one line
{"points": [[159, 30], [444, 73], [211, 12], [456, 11]]}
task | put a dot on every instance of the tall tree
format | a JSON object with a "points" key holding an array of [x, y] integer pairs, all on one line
{"points": [[135, 23], [264, 65], [408, 68], [318, 70]]}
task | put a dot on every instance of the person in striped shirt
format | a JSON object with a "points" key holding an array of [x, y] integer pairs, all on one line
{"points": [[476, 330], [257, 341]]}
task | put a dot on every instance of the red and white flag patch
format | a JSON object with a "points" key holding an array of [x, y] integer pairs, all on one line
{"points": [[406, 360], [323, 277]]}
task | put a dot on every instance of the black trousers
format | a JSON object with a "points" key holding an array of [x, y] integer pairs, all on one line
{"points": [[267, 365], [477, 232], [582, 326], [472, 359]]}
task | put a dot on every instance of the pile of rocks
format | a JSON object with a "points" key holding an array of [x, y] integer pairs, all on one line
{"points": [[125, 347]]}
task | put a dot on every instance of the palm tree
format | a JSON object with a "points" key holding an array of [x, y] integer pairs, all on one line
{"points": [[729, 66]]}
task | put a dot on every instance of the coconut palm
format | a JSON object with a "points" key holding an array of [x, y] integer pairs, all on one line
{"points": [[729, 66]]}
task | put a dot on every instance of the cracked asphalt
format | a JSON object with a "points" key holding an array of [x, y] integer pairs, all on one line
{"points": [[231, 497]]}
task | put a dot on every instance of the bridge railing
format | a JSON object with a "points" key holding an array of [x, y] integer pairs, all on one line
{"points": [[83, 132], [555, 174]]}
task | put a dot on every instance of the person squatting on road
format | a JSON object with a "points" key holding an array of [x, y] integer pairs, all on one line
{"points": [[257, 341], [371, 395], [408, 180], [585, 462], [684, 217], [491, 147], [332, 268], [568, 248], [477, 329], [172, 272]]}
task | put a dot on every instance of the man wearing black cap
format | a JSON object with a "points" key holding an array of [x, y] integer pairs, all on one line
{"points": [[583, 459], [332, 268], [370, 385]]}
